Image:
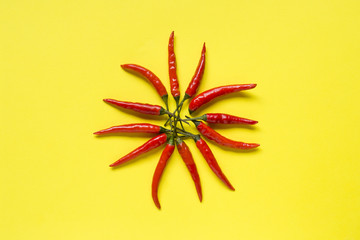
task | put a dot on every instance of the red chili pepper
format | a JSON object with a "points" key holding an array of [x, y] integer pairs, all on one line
{"points": [[195, 82], [166, 154], [149, 145], [138, 107], [135, 127], [186, 156], [221, 140], [210, 94], [210, 159], [174, 84], [154, 80], [225, 119]]}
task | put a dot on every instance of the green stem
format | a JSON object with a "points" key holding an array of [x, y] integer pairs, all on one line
{"points": [[178, 106], [188, 134], [190, 119]]}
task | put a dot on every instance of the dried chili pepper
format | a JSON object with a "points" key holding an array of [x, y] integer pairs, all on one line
{"points": [[213, 93], [195, 81], [166, 154], [132, 128], [210, 159], [149, 145], [186, 156], [139, 107], [174, 83], [211, 134], [154, 80], [223, 118]]}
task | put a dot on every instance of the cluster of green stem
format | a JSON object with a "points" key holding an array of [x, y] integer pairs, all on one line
{"points": [[175, 121]]}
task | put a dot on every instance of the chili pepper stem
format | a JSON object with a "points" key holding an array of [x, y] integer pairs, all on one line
{"points": [[178, 118], [178, 106], [177, 99], [193, 136], [165, 99], [195, 118], [182, 120]]}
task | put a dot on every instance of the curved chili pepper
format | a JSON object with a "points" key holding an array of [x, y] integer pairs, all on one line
{"points": [[210, 159], [135, 127], [211, 134], [210, 94], [174, 83], [186, 156], [149, 145], [138, 107], [195, 82], [166, 154], [225, 119], [154, 80]]}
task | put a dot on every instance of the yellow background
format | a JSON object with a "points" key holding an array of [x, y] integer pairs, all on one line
{"points": [[59, 59]]}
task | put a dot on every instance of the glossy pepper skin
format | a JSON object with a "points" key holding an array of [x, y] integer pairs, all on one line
{"points": [[166, 154], [211, 134], [132, 128], [149, 75], [213, 93], [226, 119], [210, 159], [138, 107], [195, 81], [149, 145], [174, 83], [186, 156]]}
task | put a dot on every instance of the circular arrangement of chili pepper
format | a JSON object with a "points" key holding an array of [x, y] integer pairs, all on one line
{"points": [[177, 134]]}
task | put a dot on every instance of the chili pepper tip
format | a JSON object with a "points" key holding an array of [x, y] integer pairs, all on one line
{"points": [[157, 203], [254, 145]]}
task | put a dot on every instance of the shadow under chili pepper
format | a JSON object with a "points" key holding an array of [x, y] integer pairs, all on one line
{"points": [[222, 98], [138, 114], [156, 151]]}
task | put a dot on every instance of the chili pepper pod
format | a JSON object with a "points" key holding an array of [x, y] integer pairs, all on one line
{"points": [[213, 93], [174, 83], [210, 159], [132, 128], [195, 81], [166, 154], [149, 145], [223, 118], [186, 156], [138, 107], [211, 134], [153, 79]]}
